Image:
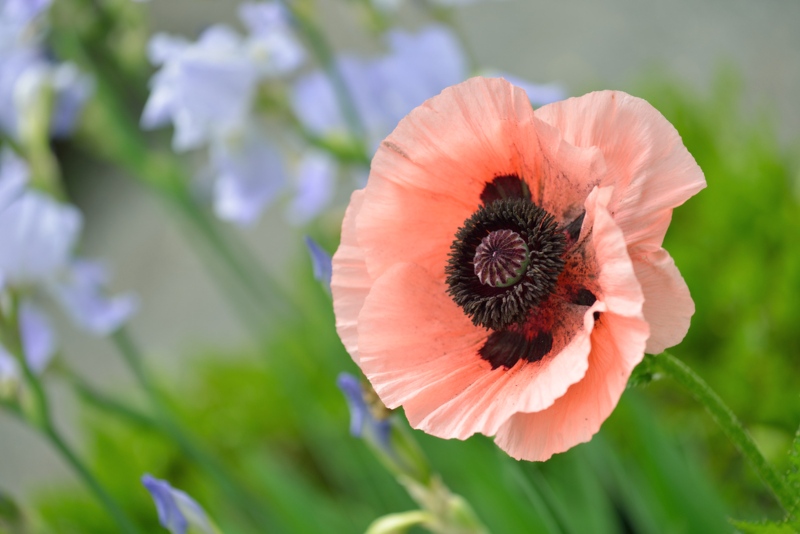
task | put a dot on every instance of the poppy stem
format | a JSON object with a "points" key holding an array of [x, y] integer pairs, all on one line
{"points": [[730, 424]]}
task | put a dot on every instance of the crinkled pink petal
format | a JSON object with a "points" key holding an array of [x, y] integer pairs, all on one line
{"points": [[419, 350], [427, 176], [646, 162], [668, 306], [566, 174], [350, 282], [617, 345]]}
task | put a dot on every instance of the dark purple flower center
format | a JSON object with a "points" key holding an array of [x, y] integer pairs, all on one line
{"points": [[504, 261], [501, 259]]}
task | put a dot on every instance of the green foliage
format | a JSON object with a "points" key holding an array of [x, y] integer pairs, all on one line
{"points": [[766, 528], [735, 246]]}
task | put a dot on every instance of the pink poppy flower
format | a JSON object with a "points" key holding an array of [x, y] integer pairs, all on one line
{"points": [[502, 272]]}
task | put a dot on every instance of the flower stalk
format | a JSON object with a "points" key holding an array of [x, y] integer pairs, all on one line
{"points": [[166, 422], [441, 511], [730, 424], [35, 411]]}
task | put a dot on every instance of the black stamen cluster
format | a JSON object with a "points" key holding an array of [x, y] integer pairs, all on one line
{"points": [[499, 307]]}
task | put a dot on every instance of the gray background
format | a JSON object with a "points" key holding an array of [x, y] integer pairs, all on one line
{"points": [[583, 44]]}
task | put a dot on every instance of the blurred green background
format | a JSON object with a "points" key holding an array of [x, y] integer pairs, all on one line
{"points": [[725, 74]]}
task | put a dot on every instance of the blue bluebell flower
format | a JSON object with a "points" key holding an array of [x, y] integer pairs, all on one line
{"points": [[81, 293], [37, 335], [37, 238], [271, 43], [385, 89], [315, 186], [205, 88], [14, 175], [363, 423], [249, 174], [177, 512], [321, 263]]}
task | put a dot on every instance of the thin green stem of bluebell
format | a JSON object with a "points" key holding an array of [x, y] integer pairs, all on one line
{"points": [[249, 505], [730, 424], [40, 418], [324, 54]]}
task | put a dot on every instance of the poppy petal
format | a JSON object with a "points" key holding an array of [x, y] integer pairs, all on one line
{"points": [[617, 345], [427, 176], [668, 306], [350, 282], [650, 169], [618, 341], [419, 350]]}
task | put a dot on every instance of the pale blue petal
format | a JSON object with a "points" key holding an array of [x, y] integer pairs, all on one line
{"points": [[205, 88], [38, 337], [314, 103], [272, 44], [176, 510], [321, 263], [362, 423], [384, 90], [13, 65], [420, 66], [316, 186], [14, 174], [81, 292], [21, 12], [37, 235], [249, 174], [164, 47]]}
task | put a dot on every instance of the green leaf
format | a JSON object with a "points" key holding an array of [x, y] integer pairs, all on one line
{"points": [[765, 528], [793, 476]]}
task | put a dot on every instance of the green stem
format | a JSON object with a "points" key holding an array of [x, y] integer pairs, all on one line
{"points": [[69, 455], [111, 406], [41, 419], [323, 52], [250, 506], [729, 423]]}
